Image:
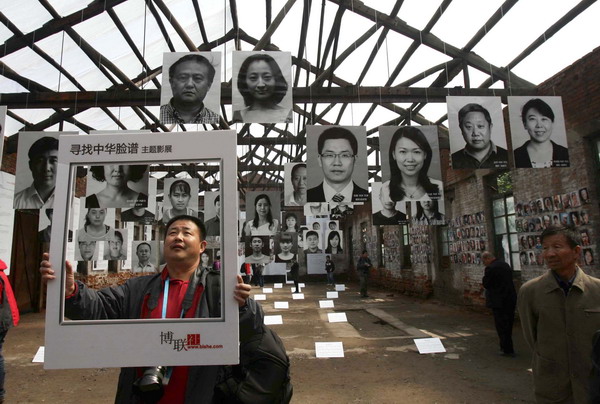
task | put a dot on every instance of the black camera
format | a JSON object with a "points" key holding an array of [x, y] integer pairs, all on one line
{"points": [[150, 386]]}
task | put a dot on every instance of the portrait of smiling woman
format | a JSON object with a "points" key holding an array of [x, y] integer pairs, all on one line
{"points": [[263, 86], [117, 192], [410, 157], [544, 128]]}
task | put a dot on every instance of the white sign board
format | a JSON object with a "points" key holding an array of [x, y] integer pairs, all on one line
{"points": [[113, 339], [340, 288], [329, 349], [270, 320], [337, 317], [298, 296], [281, 305], [326, 304], [260, 297], [429, 345], [332, 295]]}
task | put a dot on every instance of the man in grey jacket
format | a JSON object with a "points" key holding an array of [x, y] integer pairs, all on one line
{"points": [[560, 312], [193, 292]]}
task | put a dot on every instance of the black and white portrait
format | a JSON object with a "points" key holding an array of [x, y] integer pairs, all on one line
{"points": [[477, 136], [140, 214], [96, 224], [258, 249], [117, 186], [262, 87], [191, 88], [295, 184], [286, 247], [334, 242], [144, 256], [212, 213], [37, 158], [410, 163], [337, 164], [317, 209], [313, 241], [180, 198], [115, 248], [431, 213], [385, 211], [537, 128], [291, 220], [262, 213], [86, 250]]}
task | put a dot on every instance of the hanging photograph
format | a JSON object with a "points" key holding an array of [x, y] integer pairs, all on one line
{"points": [[316, 209], [115, 248], [410, 163], [286, 247], [96, 224], [180, 198], [262, 213], [145, 259], [537, 128], [312, 241], [335, 242], [385, 211], [35, 178], [257, 249], [290, 221], [262, 87], [477, 135], [117, 186], [86, 250], [337, 164], [191, 88], [212, 213], [431, 213], [295, 184], [143, 214]]}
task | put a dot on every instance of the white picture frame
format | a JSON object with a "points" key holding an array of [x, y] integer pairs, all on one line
{"points": [[138, 343]]}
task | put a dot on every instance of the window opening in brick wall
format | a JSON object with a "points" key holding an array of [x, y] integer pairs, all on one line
{"points": [[381, 247], [505, 230], [445, 240], [406, 261]]}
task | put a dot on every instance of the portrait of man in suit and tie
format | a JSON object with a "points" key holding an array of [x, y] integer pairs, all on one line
{"points": [[342, 163]]}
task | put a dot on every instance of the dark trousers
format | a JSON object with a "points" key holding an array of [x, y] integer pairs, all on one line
{"points": [[504, 318], [296, 285], [363, 277]]}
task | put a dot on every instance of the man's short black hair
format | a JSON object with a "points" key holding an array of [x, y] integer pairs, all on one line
{"points": [[141, 244], [472, 107], [182, 185], [571, 234], [193, 219], [337, 132], [217, 199], [296, 167], [312, 233], [193, 57], [41, 146]]}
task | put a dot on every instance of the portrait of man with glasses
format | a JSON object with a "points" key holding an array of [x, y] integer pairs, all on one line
{"points": [[338, 152]]}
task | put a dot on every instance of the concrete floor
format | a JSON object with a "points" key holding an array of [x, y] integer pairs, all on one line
{"points": [[381, 363]]}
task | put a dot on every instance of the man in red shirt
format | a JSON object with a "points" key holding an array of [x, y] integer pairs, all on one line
{"points": [[192, 292]]}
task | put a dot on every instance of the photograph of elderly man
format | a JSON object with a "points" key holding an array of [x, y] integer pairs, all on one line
{"points": [[188, 95], [477, 137]]}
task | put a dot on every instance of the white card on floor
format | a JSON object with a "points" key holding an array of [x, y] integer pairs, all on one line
{"points": [[429, 345], [302, 285], [39, 355], [260, 297], [267, 290], [298, 296], [326, 304], [288, 282], [329, 349], [278, 285], [281, 305], [294, 289], [337, 317], [332, 295], [270, 320], [340, 288]]}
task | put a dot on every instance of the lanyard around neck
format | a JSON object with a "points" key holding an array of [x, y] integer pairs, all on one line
{"points": [[166, 301]]}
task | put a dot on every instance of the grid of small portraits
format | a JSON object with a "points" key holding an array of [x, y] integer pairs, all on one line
{"points": [[122, 216], [420, 244], [467, 238], [533, 217]]}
